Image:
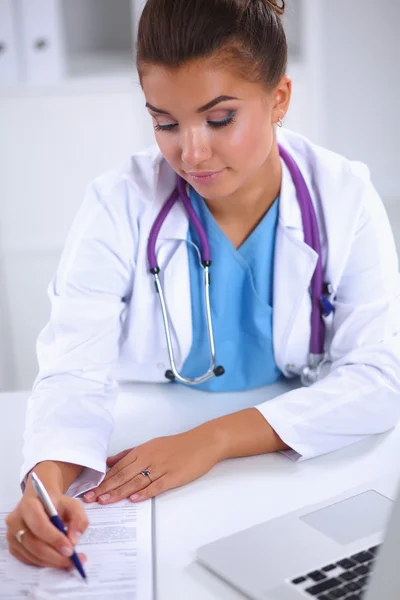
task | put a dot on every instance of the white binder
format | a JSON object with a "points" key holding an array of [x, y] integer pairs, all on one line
{"points": [[42, 40], [137, 9], [8, 44]]}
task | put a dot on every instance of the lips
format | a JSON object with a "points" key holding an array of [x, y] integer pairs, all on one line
{"points": [[204, 177], [204, 174]]}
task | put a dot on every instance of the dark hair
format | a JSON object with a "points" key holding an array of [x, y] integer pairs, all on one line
{"points": [[246, 33]]}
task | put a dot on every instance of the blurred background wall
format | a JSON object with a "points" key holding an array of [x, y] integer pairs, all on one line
{"points": [[71, 107]]}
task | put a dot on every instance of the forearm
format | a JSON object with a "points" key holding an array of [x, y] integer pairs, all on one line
{"points": [[55, 476], [244, 433]]}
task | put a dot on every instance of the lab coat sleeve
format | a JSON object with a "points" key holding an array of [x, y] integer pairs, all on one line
{"points": [[360, 395], [69, 416]]}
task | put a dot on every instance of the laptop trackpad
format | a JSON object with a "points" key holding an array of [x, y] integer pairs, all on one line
{"points": [[353, 518]]}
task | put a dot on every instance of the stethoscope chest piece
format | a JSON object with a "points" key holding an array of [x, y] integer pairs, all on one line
{"points": [[218, 371], [311, 372]]}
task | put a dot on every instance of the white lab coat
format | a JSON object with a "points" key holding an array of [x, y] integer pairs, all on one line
{"points": [[106, 323]]}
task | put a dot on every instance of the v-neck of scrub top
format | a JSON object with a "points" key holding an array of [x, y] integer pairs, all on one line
{"points": [[241, 298]]}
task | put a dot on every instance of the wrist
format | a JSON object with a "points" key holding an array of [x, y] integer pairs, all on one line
{"points": [[55, 476], [215, 435], [244, 433], [51, 478]]}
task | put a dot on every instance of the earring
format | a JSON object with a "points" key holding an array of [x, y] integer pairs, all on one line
{"points": [[279, 123]]}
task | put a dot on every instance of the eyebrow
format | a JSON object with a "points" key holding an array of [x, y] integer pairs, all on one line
{"points": [[202, 109]]}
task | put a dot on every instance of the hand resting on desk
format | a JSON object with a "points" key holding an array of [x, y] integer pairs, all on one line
{"points": [[176, 460], [170, 461]]}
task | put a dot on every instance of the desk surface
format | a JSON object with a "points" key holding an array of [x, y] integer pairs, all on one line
{"points": [[236, 494]]}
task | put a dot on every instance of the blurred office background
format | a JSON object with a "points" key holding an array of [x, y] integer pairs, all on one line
{"points": [[71, 107]]}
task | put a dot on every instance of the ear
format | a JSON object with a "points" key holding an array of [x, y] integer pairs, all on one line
{"points": [[282, 95]]}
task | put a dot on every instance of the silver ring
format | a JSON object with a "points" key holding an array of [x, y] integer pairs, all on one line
{"points": [[19, 535], [146, 473]]}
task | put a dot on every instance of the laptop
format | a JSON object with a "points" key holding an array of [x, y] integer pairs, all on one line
{"points": [[330, 550]]}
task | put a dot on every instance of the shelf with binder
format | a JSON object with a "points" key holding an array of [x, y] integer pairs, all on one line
{"points": [[9, 66], [67, 43], [98, 37], [41, 43]]}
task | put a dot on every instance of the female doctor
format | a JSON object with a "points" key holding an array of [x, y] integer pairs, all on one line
{"points": [[304, 281]]}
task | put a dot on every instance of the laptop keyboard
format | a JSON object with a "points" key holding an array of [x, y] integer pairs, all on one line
{"points": [[345, 579]]}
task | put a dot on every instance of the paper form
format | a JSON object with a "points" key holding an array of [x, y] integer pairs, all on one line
{"points": [[119, 547]]}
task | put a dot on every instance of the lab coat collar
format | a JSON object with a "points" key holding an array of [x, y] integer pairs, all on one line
{"points": [[176, 224], [289, 208], [294, 267]]}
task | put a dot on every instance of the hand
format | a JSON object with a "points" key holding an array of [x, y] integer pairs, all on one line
{"points": [[42, 544], [172, 461]]}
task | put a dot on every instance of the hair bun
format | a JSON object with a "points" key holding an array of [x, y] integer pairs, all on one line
{"points": [[277, 5]]}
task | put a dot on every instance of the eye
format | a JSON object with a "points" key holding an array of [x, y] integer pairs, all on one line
{"points": [[228, 121], [168, 127]]}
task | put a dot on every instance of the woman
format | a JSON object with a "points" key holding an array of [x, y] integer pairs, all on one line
{"points": [[213, 75]]}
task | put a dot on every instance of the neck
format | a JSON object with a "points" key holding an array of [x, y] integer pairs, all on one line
{"points": [[239, 213]]}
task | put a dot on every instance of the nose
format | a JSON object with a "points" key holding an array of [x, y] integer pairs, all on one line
{"points": [[195, 147]]}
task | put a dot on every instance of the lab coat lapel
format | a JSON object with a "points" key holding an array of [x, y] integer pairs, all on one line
{"points": [[294, 266], [172, 254]]}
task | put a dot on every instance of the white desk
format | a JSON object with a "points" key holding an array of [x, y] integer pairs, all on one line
{"points": [[234, 495]]}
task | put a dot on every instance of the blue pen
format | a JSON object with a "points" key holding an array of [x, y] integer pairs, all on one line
{"points": [[54, 518]]}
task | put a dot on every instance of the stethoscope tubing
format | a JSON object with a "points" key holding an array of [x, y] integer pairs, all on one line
{"points": [[311, 238]]}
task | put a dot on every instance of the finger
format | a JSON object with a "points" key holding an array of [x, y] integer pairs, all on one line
{"points": [[22, 554], [154, 489], [116, 471], [134, 485], [26, 557], [40, 526], [75, 518], [42, 552], [18, 550], [82, 557], [117, 476], [112, 460], [128, 459]]}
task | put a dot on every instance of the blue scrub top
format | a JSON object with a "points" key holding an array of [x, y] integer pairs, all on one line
{"points": [[241, 296]]}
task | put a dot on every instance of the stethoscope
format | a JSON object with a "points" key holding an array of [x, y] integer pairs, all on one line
{"points": [[321, 305]]}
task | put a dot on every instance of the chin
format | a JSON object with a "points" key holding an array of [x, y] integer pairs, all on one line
{"points": [[215, 192]]}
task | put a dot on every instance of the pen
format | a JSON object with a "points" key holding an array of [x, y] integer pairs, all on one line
{"points": [[54, 517]]}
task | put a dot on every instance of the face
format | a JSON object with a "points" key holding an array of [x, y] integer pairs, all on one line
{"points": [[215, 129]]}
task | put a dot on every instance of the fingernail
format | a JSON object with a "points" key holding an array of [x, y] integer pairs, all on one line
{"points": [[75, 536], [65, 551], [135, 497], [89, 495], [105, 497]]}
